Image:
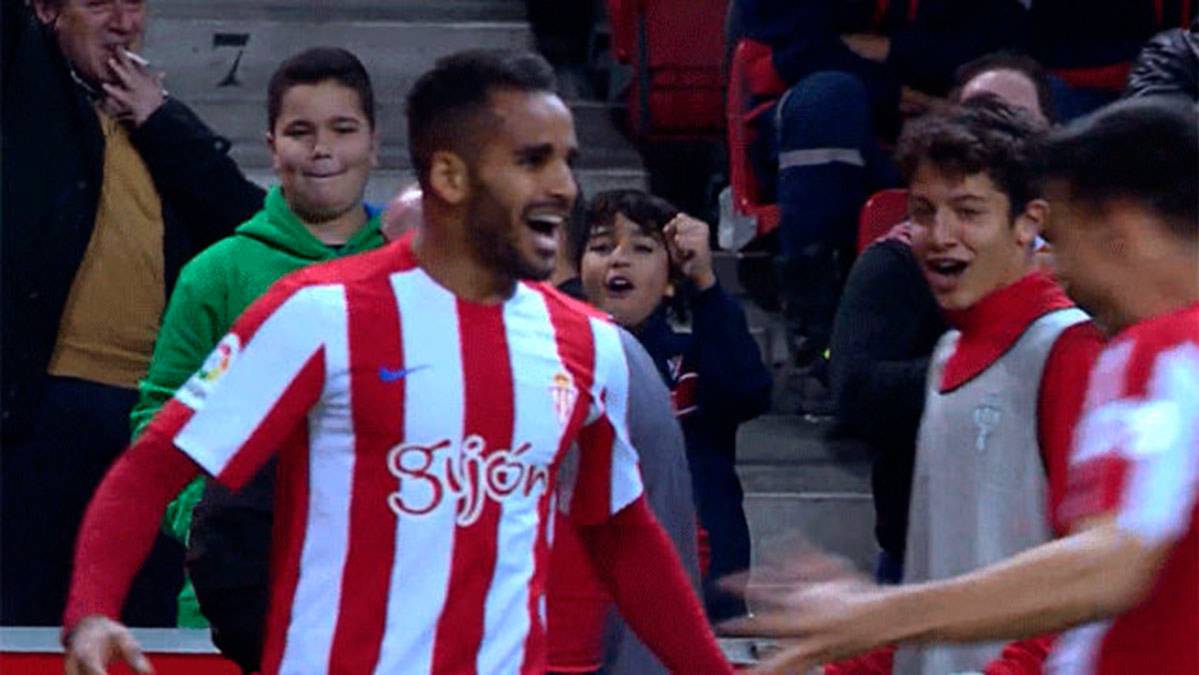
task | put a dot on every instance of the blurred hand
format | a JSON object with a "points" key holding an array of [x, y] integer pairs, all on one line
{"points": [[687, 241], [818, 606], [96, 641], [867, 46], [137, 92]]}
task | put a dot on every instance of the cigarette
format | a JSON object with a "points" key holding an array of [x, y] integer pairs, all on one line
{"points": [[136, 58]]}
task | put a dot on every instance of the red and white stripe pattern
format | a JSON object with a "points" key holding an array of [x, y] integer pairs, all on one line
{"points": [[419, 438], [1136, 456]]}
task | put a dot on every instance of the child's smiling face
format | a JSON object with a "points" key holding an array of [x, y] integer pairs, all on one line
{"points": [[625, 270]]}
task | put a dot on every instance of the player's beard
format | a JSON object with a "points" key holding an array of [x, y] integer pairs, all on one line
{"points": [[494, 238]]}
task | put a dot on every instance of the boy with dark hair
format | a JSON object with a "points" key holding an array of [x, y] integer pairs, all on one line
{"points": [[421, 398], [642, 258], [1124, 579], [320, 116], [1001, 394], [887, 325]]}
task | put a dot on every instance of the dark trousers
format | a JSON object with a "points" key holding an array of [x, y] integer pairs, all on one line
{"points": [[47, 478], [820, 142], [719, 498]]}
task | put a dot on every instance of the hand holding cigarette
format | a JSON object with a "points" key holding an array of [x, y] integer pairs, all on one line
{"points": [[136, 92]]}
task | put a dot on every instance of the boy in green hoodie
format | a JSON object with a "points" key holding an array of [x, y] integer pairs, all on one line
{"points": [[322, 137]]}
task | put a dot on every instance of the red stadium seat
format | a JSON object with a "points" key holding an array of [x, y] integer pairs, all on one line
{"points": [[1164, 13], [622, 18], [884, 210], [753, 86], [1110, 78], [678, 86], [1167, 14]]}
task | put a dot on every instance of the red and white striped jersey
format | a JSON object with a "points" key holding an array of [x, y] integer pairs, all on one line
{"points": [[419, 437], [1136, 455]]}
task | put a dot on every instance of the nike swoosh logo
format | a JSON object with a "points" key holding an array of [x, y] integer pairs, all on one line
{"points": [[394, 374]]}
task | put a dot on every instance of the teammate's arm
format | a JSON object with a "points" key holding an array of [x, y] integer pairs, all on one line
{"points": [[1099, 571]]}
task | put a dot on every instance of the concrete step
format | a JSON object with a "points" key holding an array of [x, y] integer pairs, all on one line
{"points": [[243, 121], [384, 183], [228, 59], [343, 10], [786, 439], [800, 484], [803, 477]]}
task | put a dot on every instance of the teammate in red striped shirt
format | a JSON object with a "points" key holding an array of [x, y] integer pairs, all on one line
{"points": [[422, 399], [1123, 185]]}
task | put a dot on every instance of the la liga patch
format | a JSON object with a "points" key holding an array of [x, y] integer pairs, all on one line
{"points": [[197, 389]]}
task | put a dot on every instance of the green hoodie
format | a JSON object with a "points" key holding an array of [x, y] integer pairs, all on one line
{"points": [[212, 291]]}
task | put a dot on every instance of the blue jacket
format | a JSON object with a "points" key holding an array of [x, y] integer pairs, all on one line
{"points": [[715, 372]]}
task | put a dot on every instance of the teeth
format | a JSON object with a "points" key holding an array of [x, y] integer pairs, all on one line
{"points": [[547, 219], [948, 266]]}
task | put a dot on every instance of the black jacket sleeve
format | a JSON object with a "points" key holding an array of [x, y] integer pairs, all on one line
{"points": [[1167, 66], [193, 172], [883, 336], [733, 379]]}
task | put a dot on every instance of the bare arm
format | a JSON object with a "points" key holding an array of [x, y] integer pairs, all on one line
{"points": [[1097, 572]]}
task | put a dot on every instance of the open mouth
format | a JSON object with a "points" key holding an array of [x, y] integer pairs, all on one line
{"points": [[944, 273], [618, 286], [545, 223]]}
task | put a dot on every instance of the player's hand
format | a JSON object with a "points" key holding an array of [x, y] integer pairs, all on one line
{"points": [[819, 608], [687, 241], [870, 47], [96, 641], [137, 92]]}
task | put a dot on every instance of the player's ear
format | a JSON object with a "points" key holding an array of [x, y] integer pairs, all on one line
{"points": [[1031, 222], [449, 177]]}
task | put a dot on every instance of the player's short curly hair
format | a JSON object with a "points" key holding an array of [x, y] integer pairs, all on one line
{"points": [[981, 135]]}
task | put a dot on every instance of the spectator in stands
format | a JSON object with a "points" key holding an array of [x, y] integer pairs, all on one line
{"points": [[1088, 47], [321, 121], [110, 185], [1002, 393], [888, 322], [850, 67], [562, 33], [1015, 78], [1168, 65], [641, 254], [586, 634]]}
